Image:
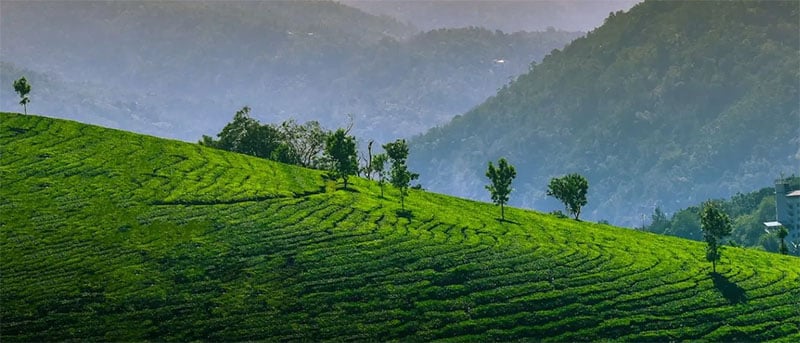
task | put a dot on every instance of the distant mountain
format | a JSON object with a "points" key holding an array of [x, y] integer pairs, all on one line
{"points": [[191, 65], [666, 105], [509, 16]]}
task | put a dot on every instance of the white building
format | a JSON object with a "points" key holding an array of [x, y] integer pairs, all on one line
{"points": [[787, 203]]}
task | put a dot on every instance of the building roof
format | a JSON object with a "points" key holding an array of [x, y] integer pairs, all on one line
{"points": [[794, 194], [772, 224]]}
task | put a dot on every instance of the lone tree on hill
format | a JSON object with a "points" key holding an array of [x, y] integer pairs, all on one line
{"points": [[399, 175], [378, 165], [500, 188], [782, 233], [340, 149], [715, 225], [22, 87], [571, 190]]}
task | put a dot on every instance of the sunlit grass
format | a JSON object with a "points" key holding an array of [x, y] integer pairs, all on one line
{"points": [[108, 235]]}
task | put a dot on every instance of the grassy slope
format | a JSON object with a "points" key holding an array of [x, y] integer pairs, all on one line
{"points": [[110, 235]]}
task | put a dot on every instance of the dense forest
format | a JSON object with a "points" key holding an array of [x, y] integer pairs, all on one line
{"points": [[665, 106], [748, 213], [178, 69]]}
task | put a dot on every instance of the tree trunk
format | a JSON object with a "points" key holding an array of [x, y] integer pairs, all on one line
{"points": [[714, 265], [369, 160], [502, 212]]}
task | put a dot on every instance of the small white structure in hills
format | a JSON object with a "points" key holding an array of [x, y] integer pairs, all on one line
{"points": [[787, 212]]}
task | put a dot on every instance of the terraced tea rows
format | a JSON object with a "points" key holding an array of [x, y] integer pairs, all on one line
{"points": [[108, 235]]}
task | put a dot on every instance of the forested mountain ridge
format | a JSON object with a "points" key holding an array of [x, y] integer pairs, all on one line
{"points": [[666, 105], [188, 66]]}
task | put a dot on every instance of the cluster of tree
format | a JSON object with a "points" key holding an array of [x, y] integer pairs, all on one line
{"points": [[289, 142], [310, 145], [570, 189], [747, 212], [658, 105]]}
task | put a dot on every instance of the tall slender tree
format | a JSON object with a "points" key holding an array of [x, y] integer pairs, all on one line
{"points": [[378, 165], [500, 188], [340, 149], [368, 170], [399, 176], [22, 87], [715, 225], [782, 233]]}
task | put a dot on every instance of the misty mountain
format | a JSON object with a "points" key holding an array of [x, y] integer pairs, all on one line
{"points": [[181, 69], [509, 16], [667, 105]]}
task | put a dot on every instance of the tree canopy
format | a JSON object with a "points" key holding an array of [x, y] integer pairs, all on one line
{"points": [[715, 225], [571, 190], [399, 176], [500, 186], [289, 142], [22, 87], [340, 151]]}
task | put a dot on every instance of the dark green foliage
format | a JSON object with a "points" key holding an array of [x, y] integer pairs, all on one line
{"points": [[340, 150], [715, 225], [22, 88], [247, 136], [399, 175], [289, 142], [571, 190], [501, 178], [782, 233], [667, 101], [285, 154], [659, 221], [112, 236]]}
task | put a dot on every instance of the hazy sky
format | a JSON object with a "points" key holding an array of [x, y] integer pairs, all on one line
{"points": [[509, 16]]}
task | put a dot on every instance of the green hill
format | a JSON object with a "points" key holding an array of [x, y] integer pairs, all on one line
{"points": [[113, 236], [669, 104]]}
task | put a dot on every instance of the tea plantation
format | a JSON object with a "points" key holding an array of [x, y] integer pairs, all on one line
{"points": [[112, 236]]}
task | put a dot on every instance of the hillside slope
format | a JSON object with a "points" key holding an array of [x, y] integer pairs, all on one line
{"points": [[109, 235], [667, 105]]}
